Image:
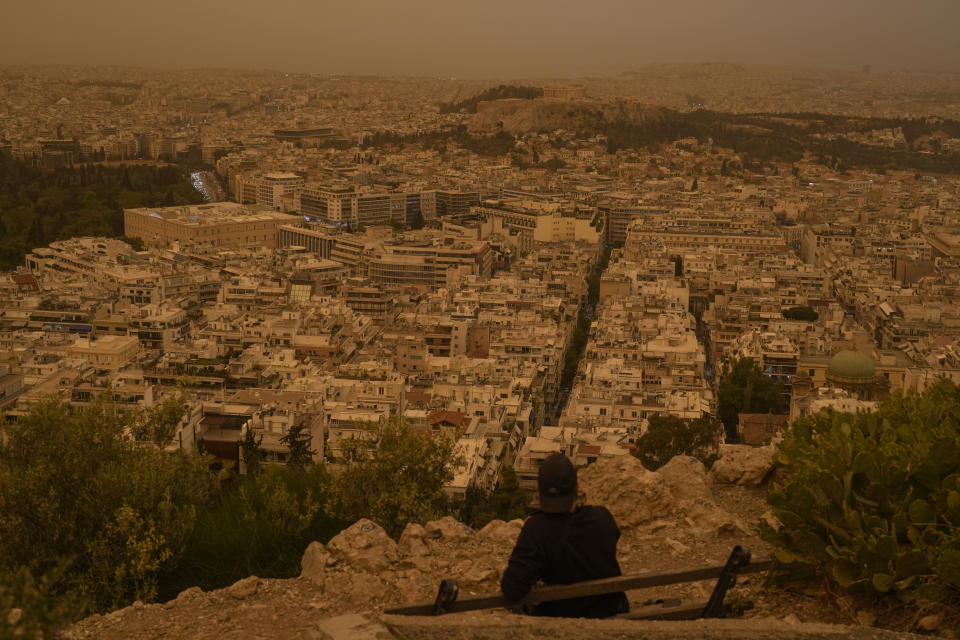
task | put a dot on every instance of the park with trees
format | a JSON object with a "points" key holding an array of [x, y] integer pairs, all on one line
{"points": [[39, 206]]}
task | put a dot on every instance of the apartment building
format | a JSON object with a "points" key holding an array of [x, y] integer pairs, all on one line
{"points": [[346, 207], [106, 353], [544, 221], [694, 235], [619, 213]]}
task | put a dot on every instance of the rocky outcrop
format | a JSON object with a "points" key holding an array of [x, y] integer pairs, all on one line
{"points": [[676, 496], [413, 540], [243, 589], [522, 116], [365, 546], [314, 563], [501, 533], [743, 465], [448, 529]]}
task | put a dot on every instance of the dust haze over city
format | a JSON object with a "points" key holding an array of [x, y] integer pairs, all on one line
{"points": [[491, 39], [325, 319]]}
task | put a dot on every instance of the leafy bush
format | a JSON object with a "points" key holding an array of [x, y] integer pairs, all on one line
{"points": [[873, 499], [403, 483], [261, 526], [82, 500], [93, 515], [745, 389], [508, 501], [31, 607], [668, 436]]}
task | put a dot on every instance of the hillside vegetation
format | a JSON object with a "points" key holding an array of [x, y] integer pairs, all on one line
{"points": [[871, 501], [500, 92], [761, 140], [94, 517]]}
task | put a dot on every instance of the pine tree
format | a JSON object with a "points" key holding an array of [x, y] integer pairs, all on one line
{"points": [[298, 440], [668, 436], [745, 389], [252, 452]]}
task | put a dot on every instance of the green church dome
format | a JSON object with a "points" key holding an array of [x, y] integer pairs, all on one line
{"points": [[852, 365]]}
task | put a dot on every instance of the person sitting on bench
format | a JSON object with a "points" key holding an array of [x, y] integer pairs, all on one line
{"points": [[563, 543]]}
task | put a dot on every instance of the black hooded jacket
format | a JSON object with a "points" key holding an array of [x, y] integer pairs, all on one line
{"points": [[562, 548]]}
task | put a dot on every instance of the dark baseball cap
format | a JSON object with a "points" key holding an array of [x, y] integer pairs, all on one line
{"points": [[557, 484]]}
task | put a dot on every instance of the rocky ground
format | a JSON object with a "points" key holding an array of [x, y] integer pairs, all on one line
{"points": [[678, 517]]}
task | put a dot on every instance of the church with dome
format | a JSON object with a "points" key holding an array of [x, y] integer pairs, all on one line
{"points": [[852, 370], [855, 372]]}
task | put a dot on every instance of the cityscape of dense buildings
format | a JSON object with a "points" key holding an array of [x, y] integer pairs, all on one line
{"points": [[361, 257]]}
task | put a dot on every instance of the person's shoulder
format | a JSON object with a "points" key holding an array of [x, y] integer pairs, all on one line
{"points": [[597, 512], [535, 520], [537, 525]]}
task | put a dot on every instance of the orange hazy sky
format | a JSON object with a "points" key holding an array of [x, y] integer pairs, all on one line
{"points": [[493, 38]]}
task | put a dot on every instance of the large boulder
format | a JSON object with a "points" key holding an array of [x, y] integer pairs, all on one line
{"points": [[412, 540], [448, 529], [364, 545], [632, 493], [501, 533], [313, 565], [743, 465], [687, 479]]}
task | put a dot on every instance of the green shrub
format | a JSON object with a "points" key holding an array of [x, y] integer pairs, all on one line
{"points": [[31, 607], [259, 526], [506, 502], [81, 500], [873, 499], [668, 436], [402, 483], [807, 314]]}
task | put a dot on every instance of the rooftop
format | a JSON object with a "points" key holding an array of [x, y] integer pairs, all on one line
{"points": [[851, 364], [217, 213]]}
